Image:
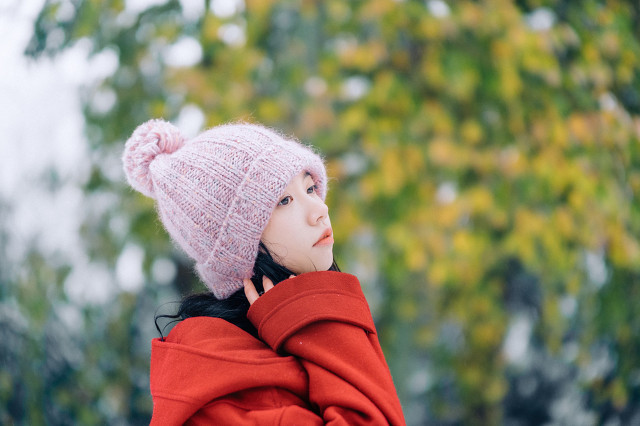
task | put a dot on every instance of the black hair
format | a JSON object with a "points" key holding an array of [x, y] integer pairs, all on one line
{"points": [[234, 308]]}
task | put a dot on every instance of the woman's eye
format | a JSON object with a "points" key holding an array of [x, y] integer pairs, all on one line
{"points": [[312, 189], [286, 200]]}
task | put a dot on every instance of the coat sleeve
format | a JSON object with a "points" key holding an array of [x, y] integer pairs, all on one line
{"points": [[323, 319]]}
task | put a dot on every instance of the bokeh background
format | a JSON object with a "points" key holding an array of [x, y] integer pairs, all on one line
{"points": [[485, 158]]}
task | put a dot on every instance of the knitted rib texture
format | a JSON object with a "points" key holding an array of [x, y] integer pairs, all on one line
{"points": [[216, 192]]}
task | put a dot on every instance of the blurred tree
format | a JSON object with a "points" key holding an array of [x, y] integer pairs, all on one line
{"points": [[487, 168]]}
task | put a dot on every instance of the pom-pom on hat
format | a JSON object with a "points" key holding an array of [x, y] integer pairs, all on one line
{"points": [[216, 192]]}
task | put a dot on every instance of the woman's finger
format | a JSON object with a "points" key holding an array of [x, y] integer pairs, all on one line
{"points": [[250, 291], [266, 283]]}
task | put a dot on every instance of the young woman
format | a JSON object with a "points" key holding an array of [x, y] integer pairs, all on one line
{"points": [[282, 337]]}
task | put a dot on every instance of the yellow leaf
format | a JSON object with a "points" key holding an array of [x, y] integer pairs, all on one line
{"points": [[443, 153], [437, 273], [269, 110], [391, 172], [481, 200], [619, 395], [463, 243], [510, 83], [471, 131], [415, 256]]}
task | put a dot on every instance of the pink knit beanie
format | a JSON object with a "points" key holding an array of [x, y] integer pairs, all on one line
{"points": [[216, 192]]}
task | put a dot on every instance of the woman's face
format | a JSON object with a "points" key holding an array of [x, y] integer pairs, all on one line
{"points": [[299, 234]]}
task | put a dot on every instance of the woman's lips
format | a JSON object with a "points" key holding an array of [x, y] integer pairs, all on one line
{"points": [[326, 239]]}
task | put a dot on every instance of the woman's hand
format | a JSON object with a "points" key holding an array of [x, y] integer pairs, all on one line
{"points": [[251, 292]]}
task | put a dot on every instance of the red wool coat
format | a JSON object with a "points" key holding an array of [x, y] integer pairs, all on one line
{"points": [[319, 362]]}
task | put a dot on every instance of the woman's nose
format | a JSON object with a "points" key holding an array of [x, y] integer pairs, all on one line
{"points": [[318, 211]]}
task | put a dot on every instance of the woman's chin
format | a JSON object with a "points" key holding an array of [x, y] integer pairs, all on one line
{"points": [[325, 264], [317, 266]]}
